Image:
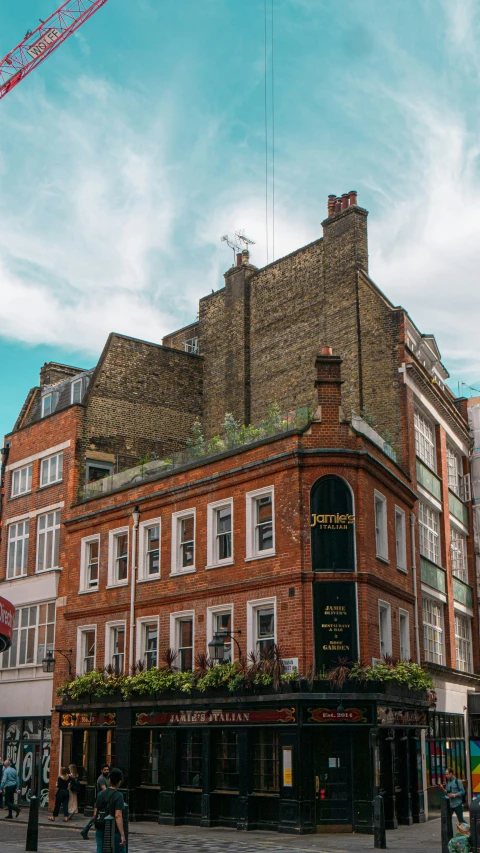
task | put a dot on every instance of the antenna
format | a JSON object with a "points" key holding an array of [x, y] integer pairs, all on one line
{"points": [[236, 243]]}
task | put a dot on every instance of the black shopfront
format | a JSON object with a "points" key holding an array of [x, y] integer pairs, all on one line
{"points": [[296, 763]]}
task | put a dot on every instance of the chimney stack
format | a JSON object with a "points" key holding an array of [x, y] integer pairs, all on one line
{"points": [[329, 386], [338, 203], [239, 259], [245, 256]]}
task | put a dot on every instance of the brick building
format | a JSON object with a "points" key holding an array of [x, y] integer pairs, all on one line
{"points": [[74, 428], [255, 343], [229, 542]]}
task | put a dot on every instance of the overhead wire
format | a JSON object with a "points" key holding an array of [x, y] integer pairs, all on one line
{"points": [[266, 129]]}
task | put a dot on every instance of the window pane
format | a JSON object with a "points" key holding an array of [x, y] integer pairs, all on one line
{"points": [[44, 472], [187, 529]]}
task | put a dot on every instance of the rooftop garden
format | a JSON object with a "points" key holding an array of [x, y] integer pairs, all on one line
{"points": [[234, 435]]}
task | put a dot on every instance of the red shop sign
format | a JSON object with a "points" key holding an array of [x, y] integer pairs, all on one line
{"points": [[7, 618], [81, 719], [196, 718], [333, 715]]}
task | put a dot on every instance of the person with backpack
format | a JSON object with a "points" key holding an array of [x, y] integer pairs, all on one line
{"points": [[74, 789], [110, 802], [455, 793]]}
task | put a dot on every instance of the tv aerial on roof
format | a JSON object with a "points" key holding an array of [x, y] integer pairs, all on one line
{"points": [[238, 243]]}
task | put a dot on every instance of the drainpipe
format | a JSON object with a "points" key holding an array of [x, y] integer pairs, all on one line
{"points": [[415, 592], [133, 578]]}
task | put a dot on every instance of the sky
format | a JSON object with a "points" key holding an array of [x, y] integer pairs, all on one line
{"points": [[141, 141]]}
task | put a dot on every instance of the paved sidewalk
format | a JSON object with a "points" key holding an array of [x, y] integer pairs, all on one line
{"points": [[152, 838]]}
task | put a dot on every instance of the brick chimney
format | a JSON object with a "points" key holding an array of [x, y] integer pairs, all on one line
{"points": [[329, 386]]}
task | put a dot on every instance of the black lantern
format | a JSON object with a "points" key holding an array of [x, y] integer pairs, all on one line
{"points": [[48, 662], [216, 648]]}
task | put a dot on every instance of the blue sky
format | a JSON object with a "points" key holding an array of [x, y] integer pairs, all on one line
{"points": [[127, 154]]}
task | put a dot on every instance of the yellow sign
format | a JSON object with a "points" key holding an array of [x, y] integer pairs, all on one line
{"points": [[332, 521]]}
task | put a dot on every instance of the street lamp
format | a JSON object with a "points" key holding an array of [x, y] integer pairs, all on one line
{"points": [[48, 662], [216, 647]]}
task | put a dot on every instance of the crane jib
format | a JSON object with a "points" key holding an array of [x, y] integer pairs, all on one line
{"points": [[44, 42]]}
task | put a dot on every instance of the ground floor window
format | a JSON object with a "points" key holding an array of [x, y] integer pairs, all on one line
{"points": [[445, 747], [226, 760], [265, 761], [150, 763], [191, 765], [27, 745]]}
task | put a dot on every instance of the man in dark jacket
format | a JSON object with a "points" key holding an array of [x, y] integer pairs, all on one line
{"points": [[111, 802]]}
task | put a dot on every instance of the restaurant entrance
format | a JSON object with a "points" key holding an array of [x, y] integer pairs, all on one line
{"points": [[333, 779]]}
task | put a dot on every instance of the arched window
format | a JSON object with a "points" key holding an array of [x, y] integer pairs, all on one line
{"points": [[332, 525]]}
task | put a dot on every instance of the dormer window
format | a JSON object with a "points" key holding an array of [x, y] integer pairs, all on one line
{"points": [[76, 391], [47, 405]]}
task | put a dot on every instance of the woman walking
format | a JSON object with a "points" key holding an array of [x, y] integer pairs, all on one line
{"points": [[73, 789], [61, 796]]}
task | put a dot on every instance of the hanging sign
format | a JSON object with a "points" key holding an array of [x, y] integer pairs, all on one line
{"points": [[195, 718], [333, 715], [7, 619], [335, 620], [332, 525]]}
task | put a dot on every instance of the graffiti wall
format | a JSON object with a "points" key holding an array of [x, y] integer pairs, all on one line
{"points": [[27, 745]]}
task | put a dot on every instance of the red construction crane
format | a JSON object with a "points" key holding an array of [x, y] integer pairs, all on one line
{"points": [[40, 43]]}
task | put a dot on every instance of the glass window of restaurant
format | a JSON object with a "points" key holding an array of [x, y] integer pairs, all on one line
{"points": [[226, 760], [191, 765], [445, 747]]}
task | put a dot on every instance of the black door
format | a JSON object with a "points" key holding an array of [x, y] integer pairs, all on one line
{"points": [[402, 777], [387, 777], [333, 777]]}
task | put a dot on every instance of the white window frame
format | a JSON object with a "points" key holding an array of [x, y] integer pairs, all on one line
{"points": [[81, 630], [458, 555], [252, 608], [212, 612], [381, 525], [177, 518], [174, 620], [16, 638], [212, 539], [56, 529], [386, 608], [16, 539], [429, 532], [425, 439], [404, 617], [84, 563], [143, 529], [437, 632], [109, 629], [142, 622], [465, 642], [72, 391], [252, 553], [401, 546], [47, 462], [454, 470], [112, 538], [45, 397], [17, 477]]}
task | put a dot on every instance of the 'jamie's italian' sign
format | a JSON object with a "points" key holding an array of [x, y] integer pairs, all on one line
{"points": [[7, 619], [196, 718], [332, 525]]}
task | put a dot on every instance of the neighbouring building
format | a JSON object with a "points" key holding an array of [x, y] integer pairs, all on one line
{"points": [[280, 541], [77, 426]]}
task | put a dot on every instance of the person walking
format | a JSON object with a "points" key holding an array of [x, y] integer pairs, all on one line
{"points": [[73, 789], [61, 796], [9, 784], [102, 785], [110, 802], [455, 792], [102, 781]]}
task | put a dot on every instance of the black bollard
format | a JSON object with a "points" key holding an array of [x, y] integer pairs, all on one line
{"points": [[445, 823], [108, 844], [125, 825], [32, 828], [379, 836], [475, 825]]}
